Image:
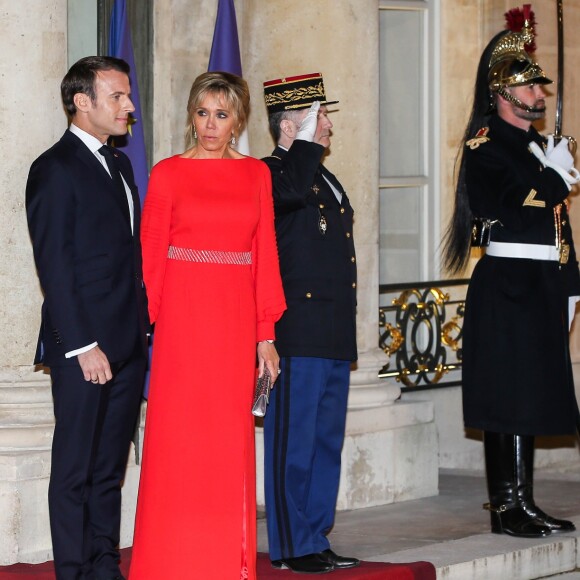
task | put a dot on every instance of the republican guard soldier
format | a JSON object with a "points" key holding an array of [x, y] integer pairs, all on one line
{"points": [[511, 197]]}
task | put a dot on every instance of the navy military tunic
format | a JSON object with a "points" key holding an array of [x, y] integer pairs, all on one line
{"points": [[517, 375], [317, 257]]}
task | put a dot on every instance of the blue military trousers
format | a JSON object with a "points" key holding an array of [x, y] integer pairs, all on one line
{"points": [[303, 438]]}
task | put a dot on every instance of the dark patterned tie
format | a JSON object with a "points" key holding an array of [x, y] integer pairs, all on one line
{"points": [[109, 156]]}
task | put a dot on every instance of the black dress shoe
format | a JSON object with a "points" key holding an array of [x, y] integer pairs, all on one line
{"points": [[309, 564], [339, 562]]}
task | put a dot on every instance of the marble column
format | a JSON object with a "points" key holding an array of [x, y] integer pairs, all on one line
{"points": [[33, 47]]}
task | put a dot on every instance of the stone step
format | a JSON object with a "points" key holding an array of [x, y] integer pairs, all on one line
{"points": [[26, 411], [25, 436], [26, 414], [20, 469], [25, 393], [498, 557]]}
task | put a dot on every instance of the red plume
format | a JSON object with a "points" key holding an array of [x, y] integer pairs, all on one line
{"points": [[515, 22]]}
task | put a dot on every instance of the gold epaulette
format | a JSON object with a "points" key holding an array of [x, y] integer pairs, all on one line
{"points": [[480, 137]]}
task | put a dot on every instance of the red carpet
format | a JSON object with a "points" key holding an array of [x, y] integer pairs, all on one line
{"points": [[366, 571]]}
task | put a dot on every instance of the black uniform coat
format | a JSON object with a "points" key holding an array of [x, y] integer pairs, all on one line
{"points": [[88, 261], [318, 269], [517, 376]]}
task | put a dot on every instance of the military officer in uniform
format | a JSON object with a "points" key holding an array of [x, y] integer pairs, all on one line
{"points": [[511, 195], [316, 336]]}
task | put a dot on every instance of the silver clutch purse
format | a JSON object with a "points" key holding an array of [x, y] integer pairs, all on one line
{"points": [[262, 394]]}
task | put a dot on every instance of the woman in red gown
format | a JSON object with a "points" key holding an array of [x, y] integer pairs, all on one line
{"points": [[211, 270]]}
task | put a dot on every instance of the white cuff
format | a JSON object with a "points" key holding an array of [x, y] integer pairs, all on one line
{"points": [[80, 350]]}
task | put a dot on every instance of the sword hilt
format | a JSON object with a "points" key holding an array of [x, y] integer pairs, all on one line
{"points": [[572, 144]]}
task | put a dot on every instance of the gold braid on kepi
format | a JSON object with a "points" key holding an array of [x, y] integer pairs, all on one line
{"points": [[510, 64], [293, 93]]}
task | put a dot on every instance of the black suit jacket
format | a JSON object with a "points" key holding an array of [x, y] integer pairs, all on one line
{"points": [[318, 269], [88, 260]]}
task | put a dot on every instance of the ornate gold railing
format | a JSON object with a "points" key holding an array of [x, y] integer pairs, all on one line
{"points": [[420, 330]]}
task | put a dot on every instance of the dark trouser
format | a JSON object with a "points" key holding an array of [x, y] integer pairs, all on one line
{"points": [[94, 428], [303, 438]]}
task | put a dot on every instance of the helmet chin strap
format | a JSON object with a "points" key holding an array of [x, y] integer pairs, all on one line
{"points": [[515, 101]]}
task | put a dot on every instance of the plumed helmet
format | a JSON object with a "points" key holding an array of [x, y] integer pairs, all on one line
{"points": [[510, 64]]}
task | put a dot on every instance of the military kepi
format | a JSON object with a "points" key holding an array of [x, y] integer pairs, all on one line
{"points": [[293, 93]]}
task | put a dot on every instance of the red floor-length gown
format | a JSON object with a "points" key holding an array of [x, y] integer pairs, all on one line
{"points": [[196, 512]]}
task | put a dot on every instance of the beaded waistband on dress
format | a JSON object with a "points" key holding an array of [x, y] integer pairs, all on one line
{"points": [[210, 256]]}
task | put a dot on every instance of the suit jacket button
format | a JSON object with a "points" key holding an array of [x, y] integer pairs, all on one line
{"points": [[348, 234], [308, 295], [341, 210], [353, 259], [354, 284]]}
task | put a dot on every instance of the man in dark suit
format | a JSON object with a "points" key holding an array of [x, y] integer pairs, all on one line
{"points": [[316, 336], [83, 216]]}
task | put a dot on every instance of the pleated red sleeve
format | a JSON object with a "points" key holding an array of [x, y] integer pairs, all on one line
{"points": [[155, 226], [270, 301]]}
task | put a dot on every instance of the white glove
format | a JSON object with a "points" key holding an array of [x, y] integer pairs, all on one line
{"points": [[569, 177], [560, 154], [308, 126]]}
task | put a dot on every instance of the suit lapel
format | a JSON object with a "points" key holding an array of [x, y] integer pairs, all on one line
{"points": [[102, 180], [83, 154], [332, 179]]}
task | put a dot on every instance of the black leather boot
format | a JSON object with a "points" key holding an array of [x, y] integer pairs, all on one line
{"points": [[507, 514], [524, 449]]}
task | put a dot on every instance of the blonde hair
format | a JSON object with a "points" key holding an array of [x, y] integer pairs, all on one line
{"points": [[232, 88]]}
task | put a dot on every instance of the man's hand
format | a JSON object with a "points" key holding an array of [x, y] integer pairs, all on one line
{"points": [[308, 126], [95, 366]]}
